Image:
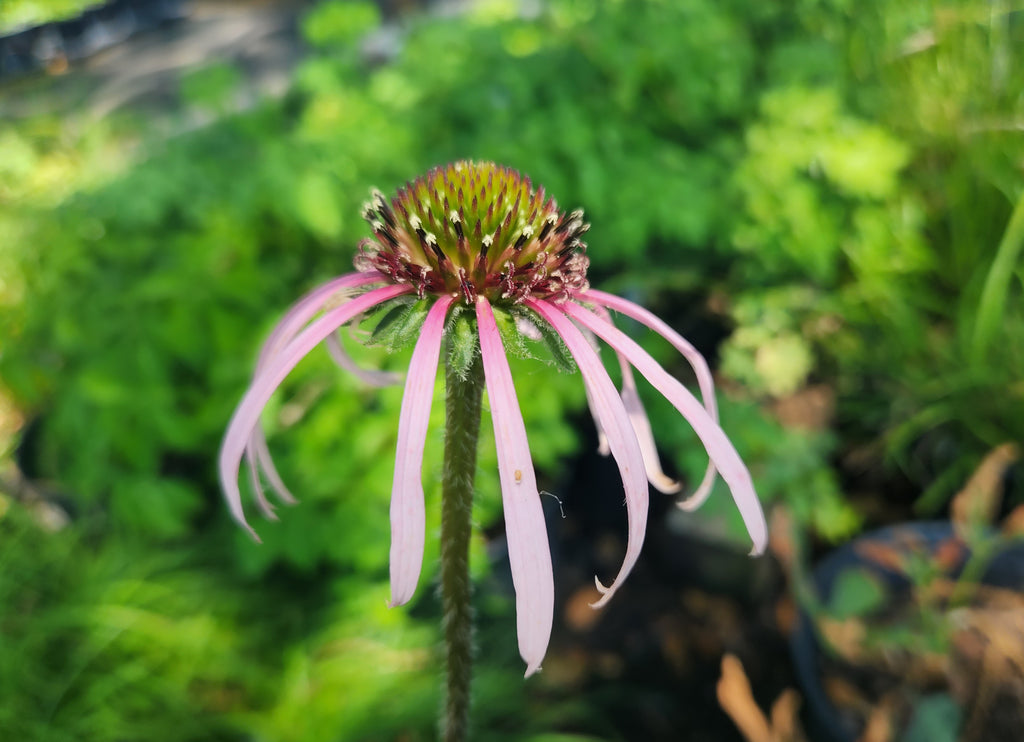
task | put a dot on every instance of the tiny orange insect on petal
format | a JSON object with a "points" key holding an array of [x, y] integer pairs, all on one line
{"points": [[519, 476]]}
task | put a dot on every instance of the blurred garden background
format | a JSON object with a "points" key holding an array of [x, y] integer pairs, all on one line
{"points": [[825, 196]]}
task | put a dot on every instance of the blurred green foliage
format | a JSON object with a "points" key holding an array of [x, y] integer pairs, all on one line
{"points": [[17, 13], [830, 191], [107, 645]]}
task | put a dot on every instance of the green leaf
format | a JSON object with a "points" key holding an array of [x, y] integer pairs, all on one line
{"points": [[857, 592], [334, 23], [936, 718], [210, 87], [156, 507], [316, 205]]}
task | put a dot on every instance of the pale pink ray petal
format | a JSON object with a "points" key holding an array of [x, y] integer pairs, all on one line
{"points": [[259, 443], [368, 376], [603, 449], [609, 409], [307, 307], [256, 451], [257, 488], [641, 424], [702, 493], [294, 320], [247, 414], [697, 362], [718, 445], [407, 512], [528, 551]]}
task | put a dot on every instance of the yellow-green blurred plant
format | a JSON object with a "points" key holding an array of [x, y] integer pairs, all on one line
{"points": [[849, 278]]}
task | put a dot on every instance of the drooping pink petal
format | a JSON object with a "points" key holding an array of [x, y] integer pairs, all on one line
{"points": [[257, 456], [718, 445], [703, 491], [368, 376], [307, 307], [609, 409], [301, 312], [247, 414], [603, 449], [407, 512], [257, 486], [528, 551], [641, 424], [257, 448], [700, 367]]}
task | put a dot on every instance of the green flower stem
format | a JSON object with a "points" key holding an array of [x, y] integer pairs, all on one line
{"points": [[462, 428]]}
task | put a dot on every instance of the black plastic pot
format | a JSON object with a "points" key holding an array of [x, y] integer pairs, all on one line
{"points": [[824, 721]]}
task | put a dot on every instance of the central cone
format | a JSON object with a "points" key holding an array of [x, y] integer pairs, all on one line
{"points": [[476, 229]]}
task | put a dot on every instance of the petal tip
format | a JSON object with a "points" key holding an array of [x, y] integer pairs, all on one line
{"points": [[702, 493], [400, 598], [666, 485], [606, 593], [759, 547], [689, 505]]}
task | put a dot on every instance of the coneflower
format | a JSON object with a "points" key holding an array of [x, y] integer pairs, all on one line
{"points": [[449, 252]]}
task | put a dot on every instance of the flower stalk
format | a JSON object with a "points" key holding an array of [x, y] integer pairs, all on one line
{"points": [[462, 428]]}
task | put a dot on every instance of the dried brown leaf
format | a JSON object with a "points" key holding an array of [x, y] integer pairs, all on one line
{"points": [[845, 636], [737, 700], [845, 694], [978, 502], [949, 554], [811, 408], [881, 722], [781, 537], [889, 556], [785, 717], [1013, 524]]}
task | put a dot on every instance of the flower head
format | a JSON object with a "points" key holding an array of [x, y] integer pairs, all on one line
{"points": [[479, 236], [476, 230]]}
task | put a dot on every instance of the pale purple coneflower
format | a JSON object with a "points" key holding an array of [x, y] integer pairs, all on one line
{"points": [[478, 236]]}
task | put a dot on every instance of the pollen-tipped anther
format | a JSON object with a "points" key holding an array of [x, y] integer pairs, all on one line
{"points": [[456, 221]]}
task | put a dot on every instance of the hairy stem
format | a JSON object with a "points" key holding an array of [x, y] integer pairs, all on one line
{"points": [[462, 428]]}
